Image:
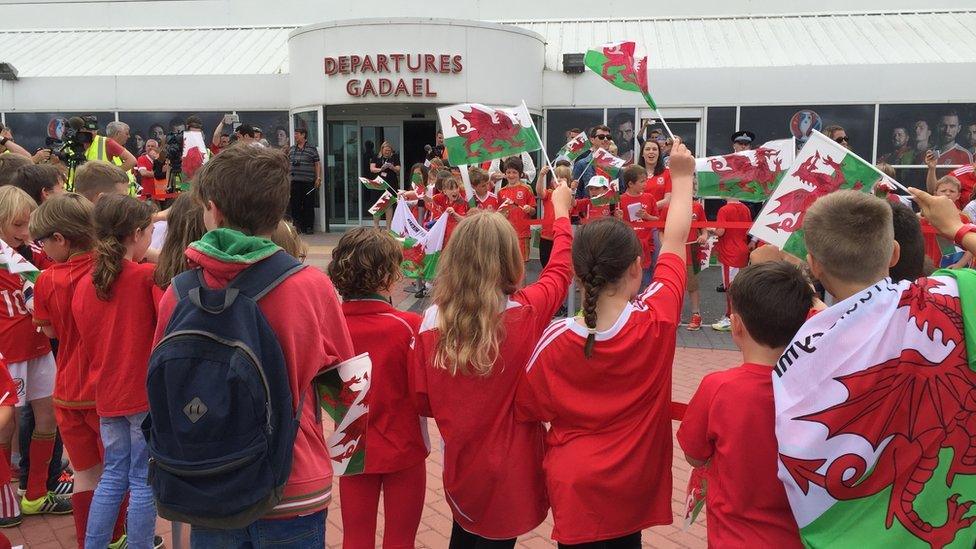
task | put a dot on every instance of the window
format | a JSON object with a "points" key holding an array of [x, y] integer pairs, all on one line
{"points": [[155, 125], [906, 132], [559, 121], [770, 123], [37, 130], [721, 126]]}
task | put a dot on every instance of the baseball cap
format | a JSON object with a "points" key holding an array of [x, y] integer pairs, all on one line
{"points": [[598, 181], [743, 137]]}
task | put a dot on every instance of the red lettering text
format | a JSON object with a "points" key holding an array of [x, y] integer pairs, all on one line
{"points": [[343, 64], [354, 62], [368, 88], [427, 91], [352, 87], [386, 87], [401, 87], [330, 66], [381, 65], [430, 63], [410, 66], [456, 61], [445, 64], [397, 58]]}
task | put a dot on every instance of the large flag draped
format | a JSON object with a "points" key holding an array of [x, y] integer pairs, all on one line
{"points": [[342, 393], [875, 417], [821, 167], [475, 133], [748, 175], [616, 64], [421, 247]]}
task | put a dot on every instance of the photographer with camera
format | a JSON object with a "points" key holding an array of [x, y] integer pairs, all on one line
{"points": [[437, 151], [306, 175], [81, 143], [220, 139], [7, 144]]}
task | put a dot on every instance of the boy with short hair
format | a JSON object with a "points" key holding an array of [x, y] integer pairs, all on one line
{"points": [[97, 177], [520, 208], [637, 206], [947, 186], [303, 311], [483, 198], [733, 250], [730, 422]]}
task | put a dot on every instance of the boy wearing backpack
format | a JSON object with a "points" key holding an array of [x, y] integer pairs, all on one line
{"points": [[304, 316]]}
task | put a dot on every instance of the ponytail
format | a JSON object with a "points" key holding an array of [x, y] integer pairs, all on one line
{"points": [[117, 218], [602, 252]]}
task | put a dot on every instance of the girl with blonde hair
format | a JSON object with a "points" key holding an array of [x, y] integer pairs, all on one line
{"points": [[469, 356]]}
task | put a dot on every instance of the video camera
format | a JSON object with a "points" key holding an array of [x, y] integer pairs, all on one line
{"points": [[173, 150], [75, 140]]}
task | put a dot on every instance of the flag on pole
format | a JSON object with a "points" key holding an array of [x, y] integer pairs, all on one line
{"points": [[609, 197], [385, 201], [14, 263], [607, 164], [874, 415], [821, 167], [474, 133], [376, 184], [342, 391], [747, 175], [616, 64], [574, 148]]}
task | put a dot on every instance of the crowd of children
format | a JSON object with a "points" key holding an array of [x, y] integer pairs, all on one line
{"points": [[572, 415]]}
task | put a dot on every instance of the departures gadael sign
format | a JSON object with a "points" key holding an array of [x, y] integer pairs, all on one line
{"points": [[393, 74]]}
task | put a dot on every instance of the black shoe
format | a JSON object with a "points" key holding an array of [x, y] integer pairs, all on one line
{"points": [[421, 294], [11, 522], [720, 289]]}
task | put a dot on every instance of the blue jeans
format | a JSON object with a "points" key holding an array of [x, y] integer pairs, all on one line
{"points": [[306, 532], [126, 470]]}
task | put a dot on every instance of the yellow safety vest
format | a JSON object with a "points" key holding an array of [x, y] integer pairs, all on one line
{"points": [[97, 151]]}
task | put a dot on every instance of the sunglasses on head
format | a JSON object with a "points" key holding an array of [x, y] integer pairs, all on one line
{"points": [[842, 139], [602, 136]]}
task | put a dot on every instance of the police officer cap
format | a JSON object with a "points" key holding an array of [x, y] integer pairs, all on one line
{"points": [[743, 136]]}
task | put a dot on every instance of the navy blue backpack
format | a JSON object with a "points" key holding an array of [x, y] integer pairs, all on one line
{"points": [[221, 428]]}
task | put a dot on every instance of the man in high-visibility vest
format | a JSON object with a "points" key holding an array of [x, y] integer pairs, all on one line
{"points": [[119, 132], [100, 148]]}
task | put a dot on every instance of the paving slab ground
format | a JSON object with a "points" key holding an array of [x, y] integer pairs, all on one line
{"points": [[698, 353]]}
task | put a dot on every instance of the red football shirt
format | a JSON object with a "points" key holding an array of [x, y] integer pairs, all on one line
{"points": [[396, 434], [730, 422], [439, 204], [588, 212], [967, 181], [733, 245], [119, 344], [19, 338], [608, 449], [697, 214], [659, 185], [548, 216], [489, 203], [493, 478], [644, 235], [73, 386], [518, 195]]}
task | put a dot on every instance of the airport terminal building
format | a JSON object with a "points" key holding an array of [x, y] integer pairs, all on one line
{"points": [[899, 79]]}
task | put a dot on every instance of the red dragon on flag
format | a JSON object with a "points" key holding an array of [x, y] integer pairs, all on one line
{"points": [[740, 170], [487, 128]]}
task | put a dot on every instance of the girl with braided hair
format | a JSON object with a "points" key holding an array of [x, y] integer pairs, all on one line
{"points": [[603, 382], [468, 359]]}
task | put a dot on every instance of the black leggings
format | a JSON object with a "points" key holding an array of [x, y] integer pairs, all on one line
{"points": [[631, 541], [545, 250], [462, 539]]}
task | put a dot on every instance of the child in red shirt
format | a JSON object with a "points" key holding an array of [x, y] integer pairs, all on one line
{"points": [[733, 250], [63, 227], [449, 201], [596, 187], [636, 206], [466, 364], [518, 204], [603, 382], [303, 311], [120, 292], [365, 266], [949, 188], [729, 426], [697, 237], [30, 363], [482, 199]]}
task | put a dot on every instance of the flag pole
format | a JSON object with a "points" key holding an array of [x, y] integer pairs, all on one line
{"points": [[466, 180], [545, 154]]}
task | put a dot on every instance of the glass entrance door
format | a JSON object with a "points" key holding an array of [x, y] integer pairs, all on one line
{"points": [[342, 171]]}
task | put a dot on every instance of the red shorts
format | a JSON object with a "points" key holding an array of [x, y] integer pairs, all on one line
{"points": [[79, 432]]}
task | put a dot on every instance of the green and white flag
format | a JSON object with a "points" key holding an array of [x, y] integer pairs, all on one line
{"points": [[475, 133], [14, 263], [875, 415], [821, 167], [342, 393], [615, 63], [606, 164], [375, 184], [574, 148], [385, 201], [748, 175], [421, 247]]}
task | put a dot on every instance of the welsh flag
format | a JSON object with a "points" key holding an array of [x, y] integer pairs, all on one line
{"points": [[820, 168], [574, 148], [474, 133], [616, 64], [14, 263], [748, 175], [606, 164], [385, 201], [375, 184], [874, 417], [421, 248], [342, 392], [609, 197]]}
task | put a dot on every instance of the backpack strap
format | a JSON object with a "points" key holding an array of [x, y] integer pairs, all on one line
{"points": [[184, 282], [259, 279]]}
